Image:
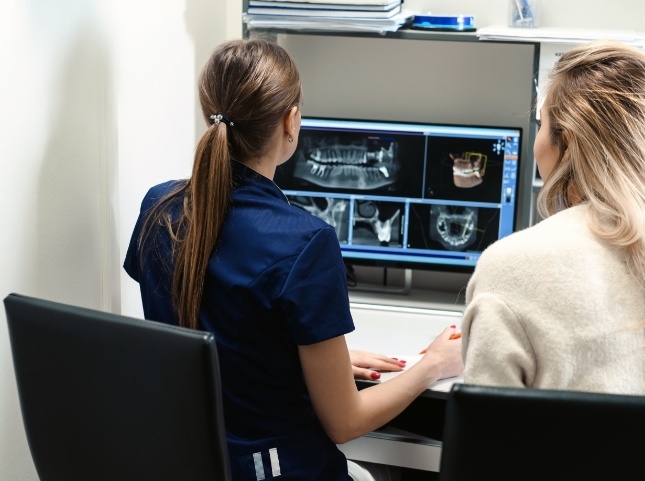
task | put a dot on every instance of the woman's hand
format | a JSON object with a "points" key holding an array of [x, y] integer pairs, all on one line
{"points": [[445, 353], [365, 365]]}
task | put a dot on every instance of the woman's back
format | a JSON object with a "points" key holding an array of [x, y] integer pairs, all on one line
{"points": [[261, 300], [555, 306]]}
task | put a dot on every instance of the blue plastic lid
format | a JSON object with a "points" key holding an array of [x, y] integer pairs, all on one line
{"points": [[444, 22]]}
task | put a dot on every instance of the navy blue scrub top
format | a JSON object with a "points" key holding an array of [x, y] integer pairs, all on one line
{"points": [[276, 280]]}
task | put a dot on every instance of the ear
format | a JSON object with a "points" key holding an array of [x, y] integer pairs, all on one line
{"points": [[289, 121]]}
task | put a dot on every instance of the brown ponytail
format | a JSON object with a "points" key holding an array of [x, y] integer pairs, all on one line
{"points": [[252, 83], [205, 205]]}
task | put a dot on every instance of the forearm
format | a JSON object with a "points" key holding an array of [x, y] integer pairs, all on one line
{"points": [[380, 403], [347, 413]]}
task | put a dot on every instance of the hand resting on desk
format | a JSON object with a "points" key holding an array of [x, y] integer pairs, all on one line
{"points": [[365, 365]]}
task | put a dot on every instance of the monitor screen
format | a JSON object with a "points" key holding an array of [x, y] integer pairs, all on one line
{"points": [[407, 195]]}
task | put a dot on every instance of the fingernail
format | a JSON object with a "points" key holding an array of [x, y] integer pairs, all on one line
{"points": [[454, 327], [403, 361], [376, 375], [395, 358]]}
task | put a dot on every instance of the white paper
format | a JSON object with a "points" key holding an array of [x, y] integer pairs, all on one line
{"points": [[442, 385], [561, 35]]}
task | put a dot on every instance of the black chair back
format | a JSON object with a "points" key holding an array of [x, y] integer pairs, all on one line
{"points": [[106, 397], [532, 434]]}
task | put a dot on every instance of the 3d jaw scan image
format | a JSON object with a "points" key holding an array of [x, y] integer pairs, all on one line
{"points": [[377, 223], [464, 169], [346, 160], [468, 168]]}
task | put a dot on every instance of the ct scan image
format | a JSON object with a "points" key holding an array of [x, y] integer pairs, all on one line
{"points": [[333, 211], [464, 169], [452, 227], [355, 162], [377, 223]]}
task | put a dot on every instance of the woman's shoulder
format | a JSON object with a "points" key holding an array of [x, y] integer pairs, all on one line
{"points": [[555, 232], [542, 247], [159, 191], [305, 226]]}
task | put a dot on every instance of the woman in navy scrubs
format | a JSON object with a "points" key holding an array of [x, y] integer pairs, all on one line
{"points": [[224, 251]]}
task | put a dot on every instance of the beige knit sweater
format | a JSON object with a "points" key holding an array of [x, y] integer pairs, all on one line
{"points": [[555, 307]]}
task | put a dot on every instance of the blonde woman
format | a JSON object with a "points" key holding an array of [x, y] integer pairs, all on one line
{"points": [[562, 304]]}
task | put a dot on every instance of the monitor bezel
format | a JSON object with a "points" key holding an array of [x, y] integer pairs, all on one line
{"points": [[427, 266]]}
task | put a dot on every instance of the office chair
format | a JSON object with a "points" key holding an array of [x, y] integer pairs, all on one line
{"points": [[105, 397], [531, 434]]}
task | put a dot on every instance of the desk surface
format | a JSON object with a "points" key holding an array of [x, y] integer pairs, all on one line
{"points": [[397, 330], [401, 327]]}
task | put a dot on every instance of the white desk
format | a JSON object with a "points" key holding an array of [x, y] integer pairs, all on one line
{"points": [[388, 329], [401, 329]]}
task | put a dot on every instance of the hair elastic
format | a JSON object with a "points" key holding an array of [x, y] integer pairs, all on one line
{"points": [[219, 116]]}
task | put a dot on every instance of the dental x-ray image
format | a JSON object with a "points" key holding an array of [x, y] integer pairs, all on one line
{"points": [[377, 223], [355, 163], [347, 161], [405, 195], [452, 227], [468, 168], [333, 211], [464, 169]]}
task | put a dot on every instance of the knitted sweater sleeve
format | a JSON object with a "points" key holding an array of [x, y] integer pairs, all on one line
{"points": [[496, 348]]}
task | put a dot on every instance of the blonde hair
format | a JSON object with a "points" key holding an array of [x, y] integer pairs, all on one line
{"points": [[595, 102], [253, 83]]}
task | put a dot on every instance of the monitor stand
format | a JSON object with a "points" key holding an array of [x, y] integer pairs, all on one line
{"points": [[384, 288]]}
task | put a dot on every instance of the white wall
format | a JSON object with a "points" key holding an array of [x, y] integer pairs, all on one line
{"points": [[98, 102]]}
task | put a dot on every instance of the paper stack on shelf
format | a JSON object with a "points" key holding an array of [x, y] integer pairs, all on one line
{"points": [[560, 35], [349, 15]]}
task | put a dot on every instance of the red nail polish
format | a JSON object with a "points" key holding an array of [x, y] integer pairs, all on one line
{"points": [[403, 361], [395, 358], [454, 327], [376, 375]]}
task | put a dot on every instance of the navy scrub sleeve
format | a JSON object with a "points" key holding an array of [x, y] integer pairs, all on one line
{"points": [[155, 275]]}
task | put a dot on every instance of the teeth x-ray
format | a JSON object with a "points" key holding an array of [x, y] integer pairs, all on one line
{"points": [[349, 161], [405, 194], [333, 211], [377, 223], [454, 227]]}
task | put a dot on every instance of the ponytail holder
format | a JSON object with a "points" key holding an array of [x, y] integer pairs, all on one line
{"points": [[219, 116]]}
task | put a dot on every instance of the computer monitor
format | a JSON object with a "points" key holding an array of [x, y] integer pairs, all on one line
{"points": [[407, 195]]}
